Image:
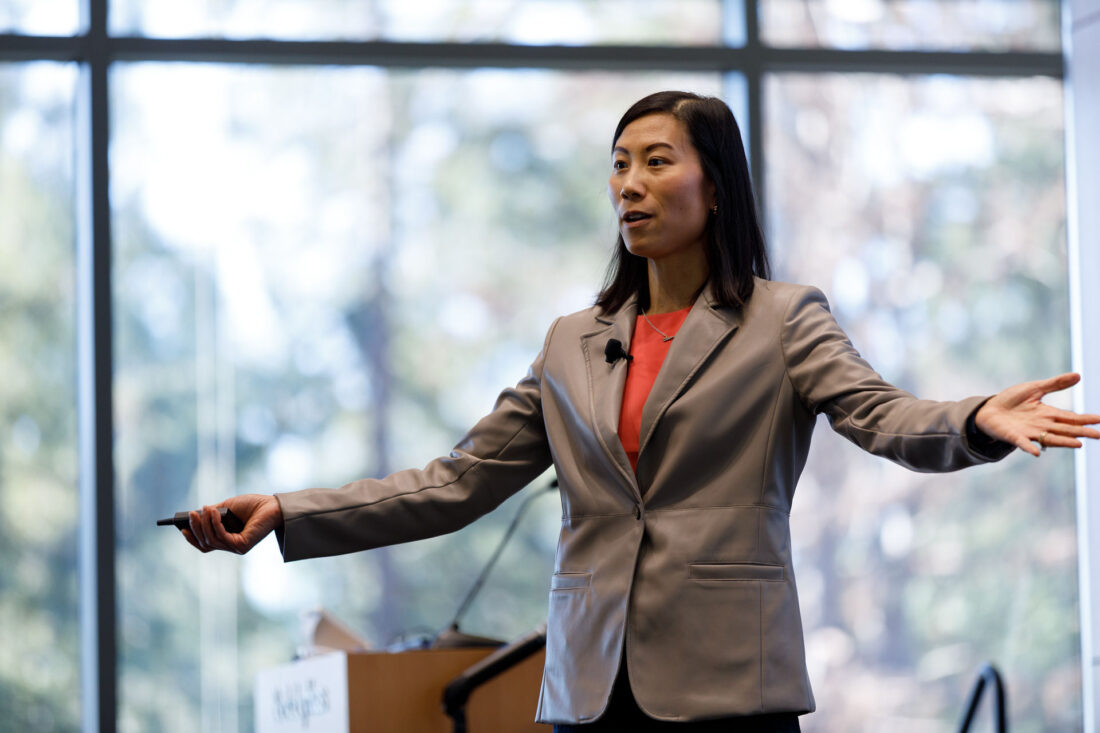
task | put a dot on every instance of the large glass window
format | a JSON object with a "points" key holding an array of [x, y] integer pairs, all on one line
{"points": [[943, 25], [39, 643], [931, 210], [296, 250], [39, 17], [570, 22], [287, 289]]}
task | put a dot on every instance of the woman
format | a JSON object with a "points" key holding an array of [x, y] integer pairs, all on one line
{"points": [[677, 413]]}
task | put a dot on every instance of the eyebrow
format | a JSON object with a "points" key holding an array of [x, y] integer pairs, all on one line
{"points": [[648, 148]]}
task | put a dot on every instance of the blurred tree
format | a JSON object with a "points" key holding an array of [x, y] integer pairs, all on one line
{"points": [[39, 643], [932, 212]]}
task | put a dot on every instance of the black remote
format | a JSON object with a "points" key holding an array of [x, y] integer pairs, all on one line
{"points": [[182, 520]]}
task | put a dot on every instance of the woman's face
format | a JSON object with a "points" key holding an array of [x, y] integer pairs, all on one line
{"points": [[658, 188]]}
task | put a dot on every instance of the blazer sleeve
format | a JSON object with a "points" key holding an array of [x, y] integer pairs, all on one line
{"points": [[831, 377], [500, 455]]}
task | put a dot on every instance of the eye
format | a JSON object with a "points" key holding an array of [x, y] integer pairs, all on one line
{"points": [[657, 161], [618, 165]]}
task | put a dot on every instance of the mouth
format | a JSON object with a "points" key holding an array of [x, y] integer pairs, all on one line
{"points": [[635, 217]]}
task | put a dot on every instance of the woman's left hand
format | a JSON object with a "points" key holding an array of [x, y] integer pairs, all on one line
{"points": [[1018, 416]]}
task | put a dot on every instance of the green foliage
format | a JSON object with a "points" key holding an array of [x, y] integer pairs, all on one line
{"points": [[39, 645], [288, 286]]}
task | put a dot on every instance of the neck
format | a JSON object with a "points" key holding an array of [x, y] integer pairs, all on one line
{"points": [[674, 281]]}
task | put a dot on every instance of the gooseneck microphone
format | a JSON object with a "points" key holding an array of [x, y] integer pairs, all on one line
{"points": [[615, 351], [452, 636]]}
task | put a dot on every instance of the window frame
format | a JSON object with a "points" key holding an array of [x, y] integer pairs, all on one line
{"points": [[94, 49]]}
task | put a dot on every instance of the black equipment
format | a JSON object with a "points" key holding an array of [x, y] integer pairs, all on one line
{"points": [[615, 351]]}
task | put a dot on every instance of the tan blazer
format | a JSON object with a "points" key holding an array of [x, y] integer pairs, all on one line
{"points": [[686, 565]]}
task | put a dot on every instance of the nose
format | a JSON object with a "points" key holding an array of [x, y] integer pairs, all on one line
{"points": [[630, 190]]}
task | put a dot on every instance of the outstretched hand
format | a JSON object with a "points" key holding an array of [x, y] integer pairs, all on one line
{"points": [[1018, 416], [260, 513]]}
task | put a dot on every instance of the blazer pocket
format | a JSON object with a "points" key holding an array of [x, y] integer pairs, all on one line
{"points": [[570, 581], [735, 571]]}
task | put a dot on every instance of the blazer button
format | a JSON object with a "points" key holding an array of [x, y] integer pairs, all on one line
{"points": [[637, 511]]}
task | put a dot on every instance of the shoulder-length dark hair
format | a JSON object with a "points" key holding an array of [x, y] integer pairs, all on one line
{"points": [[734, 240]]}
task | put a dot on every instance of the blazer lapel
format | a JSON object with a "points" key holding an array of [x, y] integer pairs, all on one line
{"points": [[707, 325], [606, 382]]}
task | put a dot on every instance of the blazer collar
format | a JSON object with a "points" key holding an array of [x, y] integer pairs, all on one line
{"points": [[606, 382], [707, 326]]}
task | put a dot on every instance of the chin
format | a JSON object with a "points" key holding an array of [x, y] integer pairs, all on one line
{"points": [[639, 249], [648, 252], [658, 248]]}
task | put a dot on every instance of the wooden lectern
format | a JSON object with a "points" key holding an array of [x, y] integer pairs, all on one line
{"points": [[399, 692]]}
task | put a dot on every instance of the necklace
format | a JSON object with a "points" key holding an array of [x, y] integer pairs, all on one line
{"points": [[663, 334]]}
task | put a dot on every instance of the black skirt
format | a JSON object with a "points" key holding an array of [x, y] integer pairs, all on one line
{"points": [[623, 714]]}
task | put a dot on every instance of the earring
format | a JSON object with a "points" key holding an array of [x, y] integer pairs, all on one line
{"points": [[714, 209]]}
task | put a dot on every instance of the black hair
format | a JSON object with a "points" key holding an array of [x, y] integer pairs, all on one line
{"points": [[735, 246]]}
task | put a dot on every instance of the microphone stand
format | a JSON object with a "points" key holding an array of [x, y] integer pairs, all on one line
{"points": [[452, 637]]}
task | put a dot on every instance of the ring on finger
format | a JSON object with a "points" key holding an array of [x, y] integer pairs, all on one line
{"points": [[1042, 445]]}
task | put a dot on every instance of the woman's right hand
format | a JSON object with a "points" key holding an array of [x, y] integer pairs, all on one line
{"points": [[260, 513]]}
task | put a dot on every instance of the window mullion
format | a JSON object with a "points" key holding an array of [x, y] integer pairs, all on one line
{"points": [[94, 382]]}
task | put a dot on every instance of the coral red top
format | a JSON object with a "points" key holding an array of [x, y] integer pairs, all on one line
{"points": [[649, 350]]}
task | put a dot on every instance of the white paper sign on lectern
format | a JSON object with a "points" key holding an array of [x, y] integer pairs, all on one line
{"points": [[309, 696]]}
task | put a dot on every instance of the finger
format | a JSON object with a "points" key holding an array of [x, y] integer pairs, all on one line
{"points": [[191, 538], [1058, 383], [207, 519], [1066, 416], [226, 540], [1059, 441], [1072, 430], [205, 527], [1075, 431], [1025, 444], [212, 523], [195, 523], [1059, 436]]}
